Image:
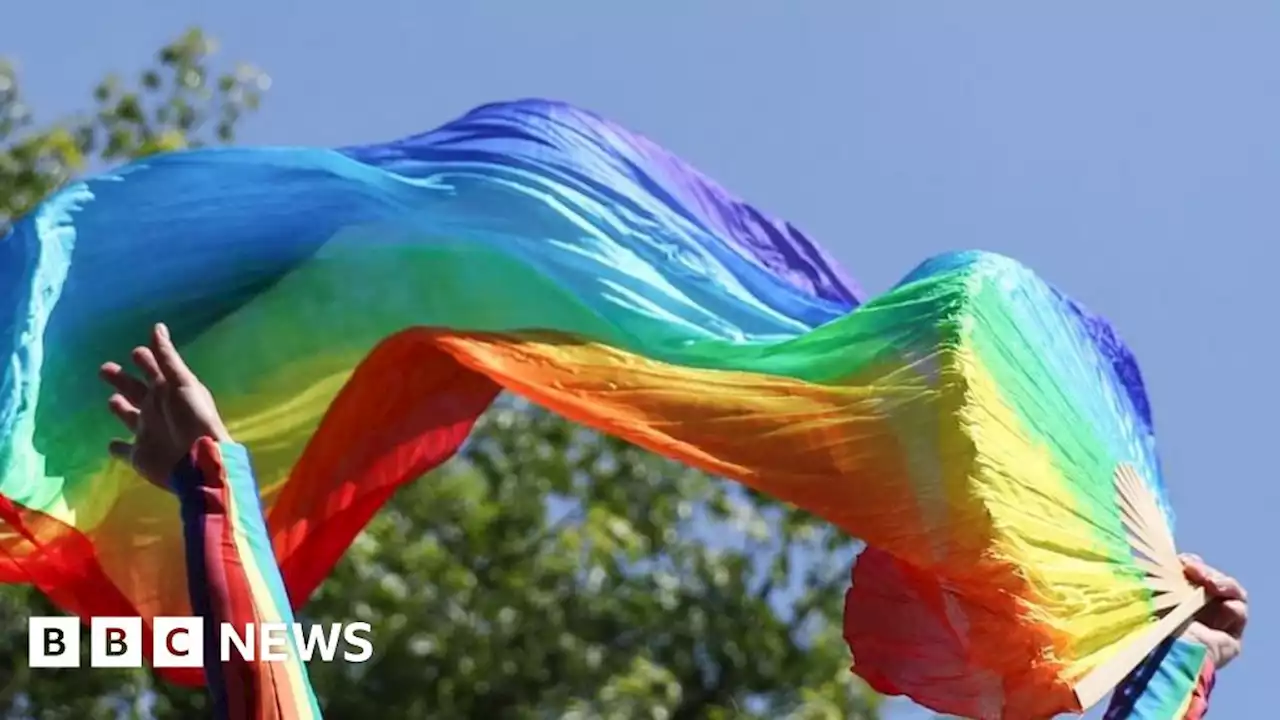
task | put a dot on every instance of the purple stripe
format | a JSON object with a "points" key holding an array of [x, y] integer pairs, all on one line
{"points": [[187, 481], [537, 131]]}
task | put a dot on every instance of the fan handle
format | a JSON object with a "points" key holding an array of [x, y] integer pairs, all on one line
{"points": [[1152, 543], [1103, 679]]}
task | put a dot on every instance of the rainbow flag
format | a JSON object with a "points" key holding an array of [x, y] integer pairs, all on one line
{"points": [[355, 310]]}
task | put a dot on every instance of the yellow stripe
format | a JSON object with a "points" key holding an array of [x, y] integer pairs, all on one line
{"points": [[264, 604]]}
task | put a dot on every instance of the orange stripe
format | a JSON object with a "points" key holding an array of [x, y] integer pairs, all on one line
{"points": [[62, 563], [831, 449], [406, 410], [808, 442]]}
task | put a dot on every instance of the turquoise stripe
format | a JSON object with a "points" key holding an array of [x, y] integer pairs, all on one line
{"points": [[250, 526], [1173, 672]]}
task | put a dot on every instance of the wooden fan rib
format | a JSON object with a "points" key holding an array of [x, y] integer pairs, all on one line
{"points": [[1165, 601], [1140, 544], [1145, 521], [1157, 530], [1165, 586], [1161, 584], [1137, 498], [1102, 679], [1129, 491], [1145, 501], [1150, 566], [1149, 535]]}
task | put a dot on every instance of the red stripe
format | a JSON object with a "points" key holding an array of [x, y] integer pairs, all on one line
{"points": [[375, 437], [1199, 706], [66, 570], [249, 685]]}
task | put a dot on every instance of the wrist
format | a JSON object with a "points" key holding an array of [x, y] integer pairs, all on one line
{"points": [[218, 433], [200, 468]]}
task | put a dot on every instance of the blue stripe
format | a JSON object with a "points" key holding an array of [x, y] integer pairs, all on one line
{"points": [[187, 481]]}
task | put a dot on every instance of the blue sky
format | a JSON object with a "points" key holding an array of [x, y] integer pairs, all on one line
{"points": [[1127, 151]]}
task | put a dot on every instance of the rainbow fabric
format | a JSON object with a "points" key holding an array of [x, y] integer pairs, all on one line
{"points": [[233, 579], [355, 310], [1173, 682]]}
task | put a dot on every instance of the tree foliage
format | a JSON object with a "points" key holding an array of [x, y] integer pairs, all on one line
{"points": [[181, 100], [547, 571]]}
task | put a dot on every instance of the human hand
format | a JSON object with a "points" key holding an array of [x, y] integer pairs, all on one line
{"points": [[167, 410], [1220, 625]]}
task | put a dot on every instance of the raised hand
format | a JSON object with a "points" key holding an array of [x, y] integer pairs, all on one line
{"points": [[1220, 626], [166, 410]]}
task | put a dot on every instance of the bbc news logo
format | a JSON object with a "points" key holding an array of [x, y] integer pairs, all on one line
{"points": [[179, 642]]}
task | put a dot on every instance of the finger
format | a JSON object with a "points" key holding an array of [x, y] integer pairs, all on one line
{"points": [[1226, 587], [1215, 583], [146, 362], [121, 450], [171, 362], [126, 411], [1197, 572], [1226, 616], [1235, 616], [133, 389]]}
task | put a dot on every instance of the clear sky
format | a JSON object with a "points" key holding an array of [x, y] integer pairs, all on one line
{"points": [[1127, 151]]}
